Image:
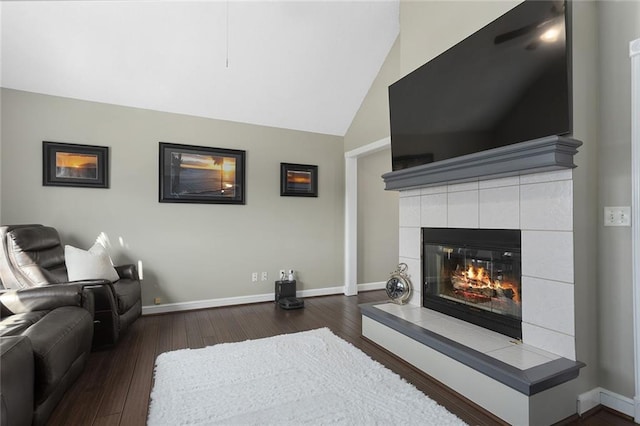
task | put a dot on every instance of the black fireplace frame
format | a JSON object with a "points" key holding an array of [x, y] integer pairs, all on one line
{"points": [[502, 239]]}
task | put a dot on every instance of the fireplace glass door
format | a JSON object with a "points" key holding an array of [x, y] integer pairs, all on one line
{"points": [[474, 275]]}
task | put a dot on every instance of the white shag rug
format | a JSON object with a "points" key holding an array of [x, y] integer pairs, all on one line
{"points": [[312, 377]]}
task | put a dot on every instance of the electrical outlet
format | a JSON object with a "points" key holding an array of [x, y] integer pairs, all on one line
{"points": [[264, 276], [617, 216], [254, 277], [157, 300], [282, 275]]}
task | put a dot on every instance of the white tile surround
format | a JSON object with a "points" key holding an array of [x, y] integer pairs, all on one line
{"points": [[541, 206]]}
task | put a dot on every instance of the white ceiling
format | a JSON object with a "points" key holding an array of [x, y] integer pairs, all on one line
{"points": [[304, 65]]}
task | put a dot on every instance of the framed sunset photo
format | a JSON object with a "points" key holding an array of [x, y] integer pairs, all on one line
{"points": [[200, 174], [298, 180], [67, 164]]}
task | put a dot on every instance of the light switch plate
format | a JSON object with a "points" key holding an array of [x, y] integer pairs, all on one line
{"points": [[617, 216]]}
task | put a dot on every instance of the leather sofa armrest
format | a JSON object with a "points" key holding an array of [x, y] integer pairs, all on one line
{"points": [[17, 372], [42, 298], [128, 271], [88, 301]]}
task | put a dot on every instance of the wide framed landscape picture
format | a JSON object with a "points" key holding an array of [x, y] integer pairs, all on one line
{"points": [[298, 180], [200, 174], [67, 164]]}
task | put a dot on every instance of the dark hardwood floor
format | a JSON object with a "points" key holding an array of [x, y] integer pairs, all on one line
{"points": [[114, 388]]}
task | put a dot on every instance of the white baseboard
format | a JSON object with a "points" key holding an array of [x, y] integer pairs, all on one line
{"points": [[243, 300], [594, 397], [372, 286], [204, 304], [588, 400]]}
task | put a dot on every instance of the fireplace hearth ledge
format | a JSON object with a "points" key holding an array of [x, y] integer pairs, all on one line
{"points": [[534, 156], [544, 394], [528, 382]]}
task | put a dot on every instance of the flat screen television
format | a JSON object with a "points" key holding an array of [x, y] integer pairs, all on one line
{"points": [[507, 83]]}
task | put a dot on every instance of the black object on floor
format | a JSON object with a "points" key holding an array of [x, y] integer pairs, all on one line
{"points": [[291, 303], [285, 288]]}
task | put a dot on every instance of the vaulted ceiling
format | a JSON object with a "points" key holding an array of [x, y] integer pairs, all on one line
{"points": [[303, 65]]}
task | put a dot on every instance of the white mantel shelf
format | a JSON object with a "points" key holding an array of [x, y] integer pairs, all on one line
{"points": [[534, 156]]}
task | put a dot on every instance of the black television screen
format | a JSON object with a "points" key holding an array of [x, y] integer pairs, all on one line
{"points": [[507, 83]]}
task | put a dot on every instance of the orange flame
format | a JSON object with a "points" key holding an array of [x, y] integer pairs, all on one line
{"points": [[480, 275]]}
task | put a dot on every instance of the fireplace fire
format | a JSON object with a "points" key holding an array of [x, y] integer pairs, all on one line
{"points": [[474, 275], [475, 284]]}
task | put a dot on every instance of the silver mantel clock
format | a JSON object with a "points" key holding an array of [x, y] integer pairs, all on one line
{"points": [[399, 285]]}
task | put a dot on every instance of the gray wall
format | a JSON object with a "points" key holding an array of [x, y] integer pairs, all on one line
{"points": [[1, 133], [371, 122], [190, 251], [378, 211], [1, 156], [585, 243], [619, 23]]}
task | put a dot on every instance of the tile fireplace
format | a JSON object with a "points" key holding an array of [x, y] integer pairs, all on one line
{"points": [[450, 213], [539, 207]]}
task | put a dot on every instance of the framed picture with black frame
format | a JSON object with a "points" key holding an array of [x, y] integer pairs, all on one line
{"points": [[298, 180], [201, 174], [68, 164]]}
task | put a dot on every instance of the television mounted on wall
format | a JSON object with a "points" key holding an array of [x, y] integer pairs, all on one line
{"points": [[507, 83]]}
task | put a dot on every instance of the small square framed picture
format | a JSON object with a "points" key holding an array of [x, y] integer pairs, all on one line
{"points": [[298, 180], [67, 164]]}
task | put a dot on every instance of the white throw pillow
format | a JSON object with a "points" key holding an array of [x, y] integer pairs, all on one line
{"points": [[89, 265]]}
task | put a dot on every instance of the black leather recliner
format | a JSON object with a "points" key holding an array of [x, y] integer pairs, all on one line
{"points": [[33, 256], [45, 342], [16, 376]]}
